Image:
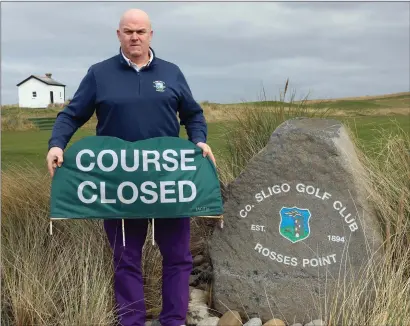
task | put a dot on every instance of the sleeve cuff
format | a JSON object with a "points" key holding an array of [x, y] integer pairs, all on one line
{"points": [[197, 140], [56, 145]]}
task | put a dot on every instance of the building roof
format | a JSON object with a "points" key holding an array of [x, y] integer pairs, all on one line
{"points": [[45, 79]]}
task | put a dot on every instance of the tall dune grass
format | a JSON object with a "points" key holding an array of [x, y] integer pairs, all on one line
{"points": [[253, 127], [66, 278], [386, 161], [63, 279], [380, 294]]}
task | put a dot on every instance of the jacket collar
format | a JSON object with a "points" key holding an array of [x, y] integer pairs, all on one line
{"points": [[124, 62]]}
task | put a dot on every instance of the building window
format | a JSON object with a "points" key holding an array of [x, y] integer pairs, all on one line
{"points": [[60, 94], [34, 94]]}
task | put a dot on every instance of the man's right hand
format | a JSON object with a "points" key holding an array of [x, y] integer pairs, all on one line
{"points": [[54, 159]]}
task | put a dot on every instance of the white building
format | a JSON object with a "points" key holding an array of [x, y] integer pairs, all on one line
{"points": [[40, 91]]}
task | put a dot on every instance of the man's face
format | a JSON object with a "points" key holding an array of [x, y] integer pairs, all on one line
{"points": [[135, 37]]}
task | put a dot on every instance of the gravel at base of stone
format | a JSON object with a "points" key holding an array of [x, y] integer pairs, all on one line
{"points": [[198, 260], [274, 322], [210, 321], [230, 318], [254, 322], [196, 313], [297, 324]]}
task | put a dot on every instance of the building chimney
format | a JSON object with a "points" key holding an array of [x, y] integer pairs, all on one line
{"points": [[48, 75]]}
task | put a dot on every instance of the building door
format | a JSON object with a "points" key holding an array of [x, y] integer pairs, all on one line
{"points": [[51, 97]]}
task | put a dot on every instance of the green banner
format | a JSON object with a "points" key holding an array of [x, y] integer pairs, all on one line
{"points": [[106, 177]]}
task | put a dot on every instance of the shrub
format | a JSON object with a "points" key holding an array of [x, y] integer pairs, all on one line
{"points": [[16, 122]]}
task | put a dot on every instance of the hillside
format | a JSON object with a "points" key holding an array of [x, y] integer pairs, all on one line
{"points": [[387, 104]]}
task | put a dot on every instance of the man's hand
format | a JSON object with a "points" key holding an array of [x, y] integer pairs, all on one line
{"points": [[206, 150], [54, 158]]}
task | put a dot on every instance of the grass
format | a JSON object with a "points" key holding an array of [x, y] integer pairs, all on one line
{"points": [[388, 279], [253, 127], [66, 279], [367, 129], [349, 105], [392, 104], [29, 112], [30, 147], [385, 103], [380, 293]]}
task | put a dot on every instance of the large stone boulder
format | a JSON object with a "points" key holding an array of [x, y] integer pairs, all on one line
{"points": [[296, 223]]}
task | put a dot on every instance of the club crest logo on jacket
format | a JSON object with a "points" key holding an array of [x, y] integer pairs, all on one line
{"points": [[159, 85]]}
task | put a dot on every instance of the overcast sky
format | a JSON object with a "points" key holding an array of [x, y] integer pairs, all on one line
{"points": [[227, 51]]}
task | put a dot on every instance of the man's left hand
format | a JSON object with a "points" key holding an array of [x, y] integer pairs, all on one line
{"points": [[206, 150]]}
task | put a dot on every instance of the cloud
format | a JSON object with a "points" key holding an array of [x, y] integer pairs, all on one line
{"points": [[226, 50]]}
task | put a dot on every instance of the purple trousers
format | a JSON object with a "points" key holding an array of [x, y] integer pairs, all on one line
{"points": [[173, 238]]}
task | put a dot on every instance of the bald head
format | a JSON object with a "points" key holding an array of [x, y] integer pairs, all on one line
{"points": [[135, 34], [135, 16]]}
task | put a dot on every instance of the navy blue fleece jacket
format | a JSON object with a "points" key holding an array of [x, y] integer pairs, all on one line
{"points": [[132, 105]]}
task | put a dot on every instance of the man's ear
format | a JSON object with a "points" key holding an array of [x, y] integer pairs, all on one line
{"points": [[118, 34]]}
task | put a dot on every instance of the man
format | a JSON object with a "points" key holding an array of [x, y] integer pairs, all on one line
{"points": [[137, 96]]}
